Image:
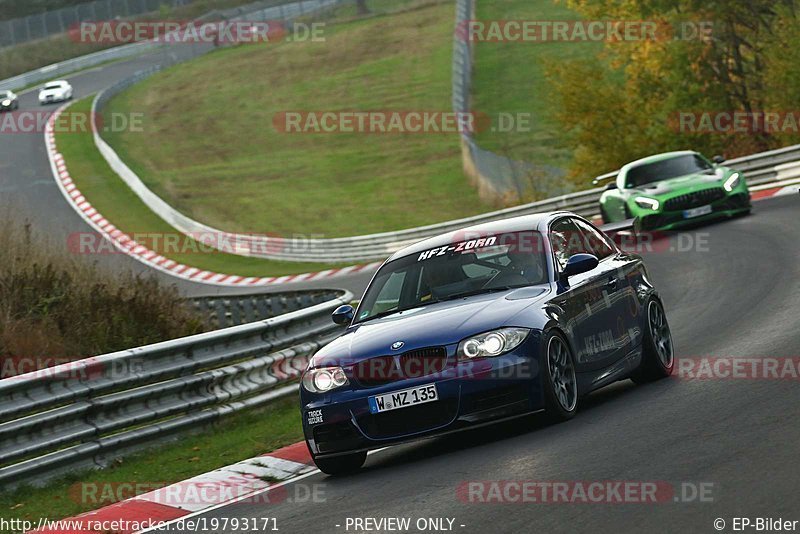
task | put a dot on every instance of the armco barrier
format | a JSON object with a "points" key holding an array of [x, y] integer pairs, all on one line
{"points": [[255, 11], [760, 170], [56, 70], [89, 412], [224, 311]]}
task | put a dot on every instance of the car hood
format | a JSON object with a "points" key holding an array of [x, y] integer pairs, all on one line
{"points": [[439, 324], [682, 184]]}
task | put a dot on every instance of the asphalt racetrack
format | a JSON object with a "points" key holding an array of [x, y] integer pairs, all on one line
{"points": [[28, 191], [731, 289], [734, 293]]}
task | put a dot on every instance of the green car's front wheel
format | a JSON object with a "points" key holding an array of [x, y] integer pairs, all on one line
{"points": [[628, 214], [604, 215]]}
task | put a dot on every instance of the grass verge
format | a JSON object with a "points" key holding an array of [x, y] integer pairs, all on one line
{"points": [[57, 48], [120, 205], [239, 437], [211, 150], [510, 78]]}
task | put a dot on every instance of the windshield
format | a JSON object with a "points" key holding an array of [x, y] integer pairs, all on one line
{"points": [[4, 94], [460, 269], [665, 169]]}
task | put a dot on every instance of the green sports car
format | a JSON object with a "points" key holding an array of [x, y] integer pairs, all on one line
{"points": [[670, 190]]}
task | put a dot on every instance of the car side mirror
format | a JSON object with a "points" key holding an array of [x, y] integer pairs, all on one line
{"points": [[611, 186], [718, 160], [343, 314], [579, 264]]}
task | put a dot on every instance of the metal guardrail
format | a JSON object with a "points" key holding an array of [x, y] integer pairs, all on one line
{"points": [[759, 169], [89, 412], [255, 11], [224, 311], [58, 70]]}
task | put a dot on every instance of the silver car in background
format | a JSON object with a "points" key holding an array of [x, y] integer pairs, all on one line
{"points": [[8, 101]]}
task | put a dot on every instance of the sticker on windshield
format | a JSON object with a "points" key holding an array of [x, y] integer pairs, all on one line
{"points": [[458, 248]]}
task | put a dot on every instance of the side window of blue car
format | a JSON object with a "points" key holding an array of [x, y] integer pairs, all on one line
{"points": [[595, 241], [567, 240]]}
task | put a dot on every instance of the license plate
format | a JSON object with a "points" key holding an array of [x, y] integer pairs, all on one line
{"points": [[697, 212], [403, 398]]}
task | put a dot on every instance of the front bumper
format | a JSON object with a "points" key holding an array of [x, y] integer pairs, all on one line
{"points": [[733, 204], [50, 99], [469, 394]]}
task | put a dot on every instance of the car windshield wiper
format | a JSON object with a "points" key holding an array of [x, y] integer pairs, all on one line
{"points": [[440, 299], [398, 310], [479, 292]]}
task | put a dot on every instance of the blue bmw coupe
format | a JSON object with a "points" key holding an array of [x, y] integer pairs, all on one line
{"points": [[480, 325]]}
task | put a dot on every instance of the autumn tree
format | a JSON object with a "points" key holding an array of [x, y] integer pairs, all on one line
{"points": [[624, 106]]}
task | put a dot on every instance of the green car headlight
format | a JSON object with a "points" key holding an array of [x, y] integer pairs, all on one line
{"points": [[647, 203], [732, 182]]}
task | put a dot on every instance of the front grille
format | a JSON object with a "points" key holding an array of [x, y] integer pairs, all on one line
{"points": [[694, 200], [409, 420], [384, 370]]}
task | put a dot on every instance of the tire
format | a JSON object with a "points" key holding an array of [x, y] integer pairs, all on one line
{"points": [[604, 215], [561, 401], [341, 465], [628, 214], [658, 352]]}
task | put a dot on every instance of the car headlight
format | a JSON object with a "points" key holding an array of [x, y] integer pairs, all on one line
{"points": [[492, 343], [6, 102], [324, 379], [732, 182], [647, 203]]}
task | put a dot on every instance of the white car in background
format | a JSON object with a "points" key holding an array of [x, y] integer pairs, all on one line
{"points": [[57, 91]]}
